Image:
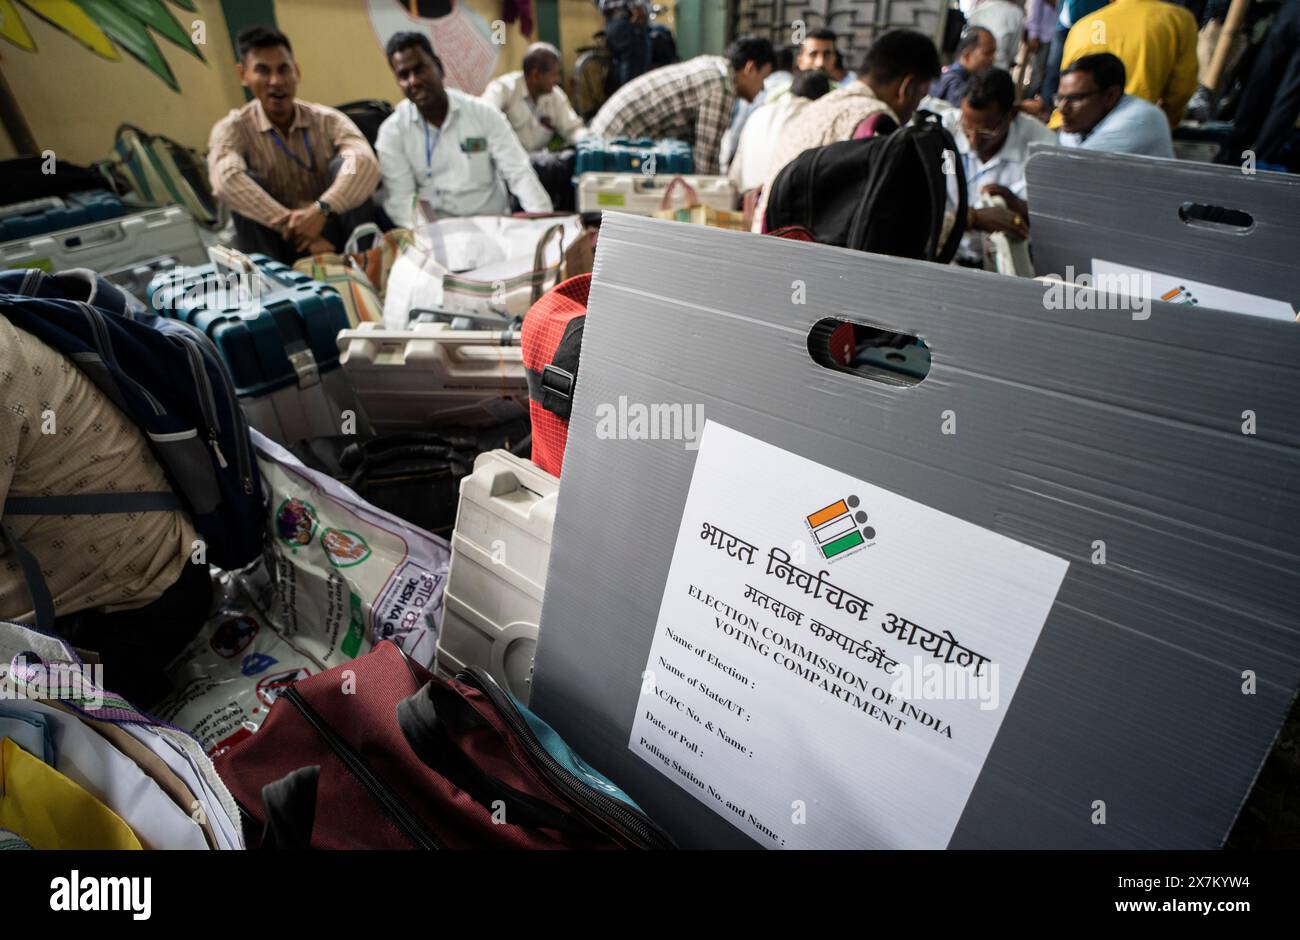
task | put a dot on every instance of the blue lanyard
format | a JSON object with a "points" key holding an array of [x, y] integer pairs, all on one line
{"points": [[310, 165], [430, 144]]}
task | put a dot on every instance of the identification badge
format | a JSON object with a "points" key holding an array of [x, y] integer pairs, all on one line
{"points": [[474, 144]]}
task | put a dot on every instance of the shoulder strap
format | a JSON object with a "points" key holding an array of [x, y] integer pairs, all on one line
{"points": [[940, 196], [42, 603], [84, 504]]}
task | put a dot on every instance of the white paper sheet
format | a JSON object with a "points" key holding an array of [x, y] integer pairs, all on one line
{"points": [[1181, 290], [769, 693]]}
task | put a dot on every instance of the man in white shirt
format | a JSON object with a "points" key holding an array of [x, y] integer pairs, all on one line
{"points": [[544, 121], [1006, 21], [533, 101], [448, 149], [753, 160], [993, 141], [1096, 114]]}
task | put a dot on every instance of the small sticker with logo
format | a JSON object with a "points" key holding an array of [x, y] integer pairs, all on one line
{"points": [[295, 522], [840, 527], [233, 636], [343, 548]]}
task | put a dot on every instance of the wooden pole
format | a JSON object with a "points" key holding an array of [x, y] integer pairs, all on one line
{"points": [[1231, 26]]}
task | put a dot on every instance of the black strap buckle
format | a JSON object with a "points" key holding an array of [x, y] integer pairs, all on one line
{"points": [[557, 382]]}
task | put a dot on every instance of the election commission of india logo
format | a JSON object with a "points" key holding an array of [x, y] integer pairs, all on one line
{"points": [[840, 527]]}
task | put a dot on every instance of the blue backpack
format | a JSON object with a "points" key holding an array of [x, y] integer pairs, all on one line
{"points": [[168, 378]]}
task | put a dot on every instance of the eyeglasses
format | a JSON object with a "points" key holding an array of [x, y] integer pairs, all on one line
{"points": [[983, 133], [1062, 100]]}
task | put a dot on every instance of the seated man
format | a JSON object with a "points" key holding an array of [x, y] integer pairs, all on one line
{"points": [[749, 167], [1096, 114], [820, 53], [840, 75], [122, 584], [690, 101], [1156, 42], [297, 176], [543, 120], [975, 52], [895, 75], [448, 149], [993, 141]]}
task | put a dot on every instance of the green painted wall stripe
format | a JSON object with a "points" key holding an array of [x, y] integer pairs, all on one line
{"points": [[547, 16]]}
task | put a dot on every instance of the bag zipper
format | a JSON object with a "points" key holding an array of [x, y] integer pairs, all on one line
{"points": [[104, 344], [393, 807], [207, 404], [242, 459], [640, 828]]}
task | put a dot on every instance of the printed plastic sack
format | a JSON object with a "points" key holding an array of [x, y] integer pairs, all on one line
{"points": [[480, 264], [233, 670], [336, 558], [339, 576]]}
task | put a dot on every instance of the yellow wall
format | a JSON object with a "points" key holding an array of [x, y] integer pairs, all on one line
{"points": [[73, 100]]}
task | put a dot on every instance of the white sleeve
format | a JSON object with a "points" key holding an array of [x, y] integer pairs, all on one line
{"points": [[495, 94], [568, 124], [399, 177], [512, 162]]}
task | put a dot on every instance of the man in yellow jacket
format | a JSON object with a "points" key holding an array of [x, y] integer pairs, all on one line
{"points": [[1155, 40]]}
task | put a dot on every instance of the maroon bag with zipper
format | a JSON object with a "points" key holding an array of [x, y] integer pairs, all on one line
{"points": [[409, 760]]}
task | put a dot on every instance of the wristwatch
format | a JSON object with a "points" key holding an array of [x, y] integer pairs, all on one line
{"points": [[324, 207]]}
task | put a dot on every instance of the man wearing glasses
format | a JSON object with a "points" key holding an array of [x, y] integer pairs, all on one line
{"points": [[993, 141], [1096, 114]]}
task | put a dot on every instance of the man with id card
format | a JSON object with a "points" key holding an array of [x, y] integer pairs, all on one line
{"points": [[296, 176], [446, 148], [543, 119]]}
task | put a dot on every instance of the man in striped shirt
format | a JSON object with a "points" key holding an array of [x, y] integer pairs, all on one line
{"points": [[297, 176], [690, 101]]}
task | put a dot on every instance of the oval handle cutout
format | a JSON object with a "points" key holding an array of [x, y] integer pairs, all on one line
{"points": [[869, 352], [1217, 218]]}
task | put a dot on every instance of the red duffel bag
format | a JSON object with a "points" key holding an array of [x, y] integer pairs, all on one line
{"points": [[408, 760]]}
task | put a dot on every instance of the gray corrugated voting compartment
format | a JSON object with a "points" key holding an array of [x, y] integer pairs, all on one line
{"points": [[1086, 204], [1072, 426]]}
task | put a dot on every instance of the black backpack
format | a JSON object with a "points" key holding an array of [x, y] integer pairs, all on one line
{"points": [[883, 194], [367, 116]]}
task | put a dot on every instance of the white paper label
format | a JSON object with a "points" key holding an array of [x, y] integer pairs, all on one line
{"points": [[832, 661], [1182, 290]]}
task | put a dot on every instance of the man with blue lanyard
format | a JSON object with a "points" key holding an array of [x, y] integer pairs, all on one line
{"points": [[296, 176], [446, 149]]}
